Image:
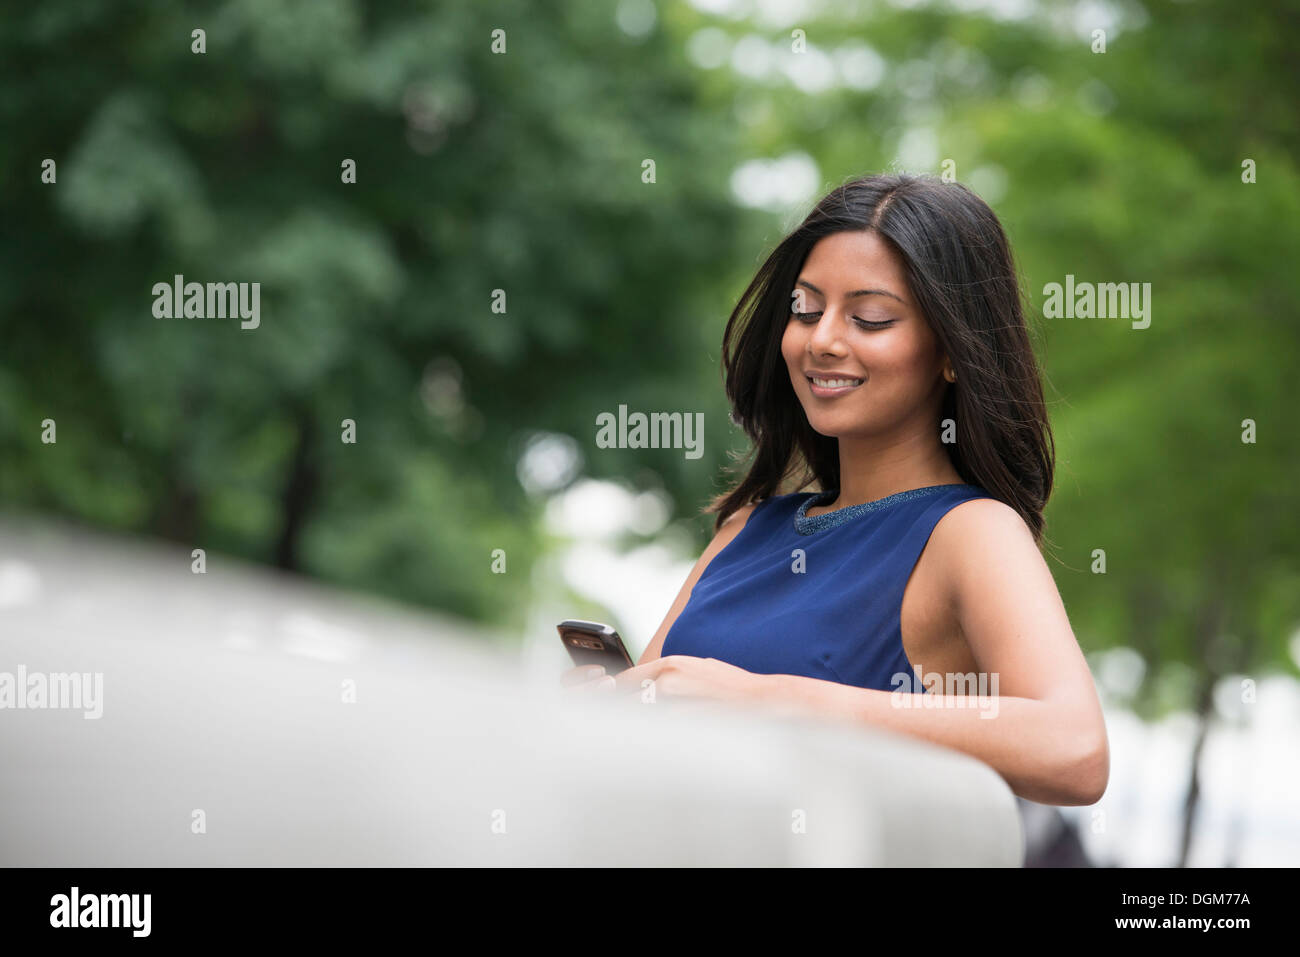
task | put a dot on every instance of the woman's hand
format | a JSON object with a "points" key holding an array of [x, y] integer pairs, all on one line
{"points": [[685, 676], [586, 679]]}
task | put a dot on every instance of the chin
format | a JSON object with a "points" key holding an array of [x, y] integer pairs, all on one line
{"points": [[832, 430]]}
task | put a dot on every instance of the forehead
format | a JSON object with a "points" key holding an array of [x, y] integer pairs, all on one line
{"points": [[853, 260]]}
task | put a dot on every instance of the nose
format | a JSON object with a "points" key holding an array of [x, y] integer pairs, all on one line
{"points": [[825, 338]]}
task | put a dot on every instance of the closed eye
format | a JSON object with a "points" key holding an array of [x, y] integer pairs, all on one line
{"points": [[863, 323]]}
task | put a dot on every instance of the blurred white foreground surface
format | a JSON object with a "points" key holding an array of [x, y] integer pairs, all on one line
{"points": [[226, 738]]}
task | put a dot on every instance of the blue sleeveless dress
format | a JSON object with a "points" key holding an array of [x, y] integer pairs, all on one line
{"points": [[819, 596]]}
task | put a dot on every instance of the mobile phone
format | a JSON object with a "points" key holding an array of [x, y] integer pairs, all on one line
{"points": [[593, 643]]}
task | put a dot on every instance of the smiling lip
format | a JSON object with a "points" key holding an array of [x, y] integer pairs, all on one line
{"points": [[828, 386]]}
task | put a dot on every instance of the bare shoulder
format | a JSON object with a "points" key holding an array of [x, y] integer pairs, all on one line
{"points": [[983, 523], [1009, 609], [985, 543]]}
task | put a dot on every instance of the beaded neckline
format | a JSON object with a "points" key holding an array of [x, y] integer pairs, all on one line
{"points": [[806, 524]]}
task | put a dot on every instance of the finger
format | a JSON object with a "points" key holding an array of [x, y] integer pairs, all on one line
{"points": [[631, 679]]}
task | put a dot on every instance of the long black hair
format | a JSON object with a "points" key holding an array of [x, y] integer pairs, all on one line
{"points": [[959, 268]]}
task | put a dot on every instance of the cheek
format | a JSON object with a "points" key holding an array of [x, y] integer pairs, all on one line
{"points": [[791, 344], [902, 357]]}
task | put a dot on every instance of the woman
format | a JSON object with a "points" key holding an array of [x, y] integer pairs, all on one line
{"points": [[881, 354]]}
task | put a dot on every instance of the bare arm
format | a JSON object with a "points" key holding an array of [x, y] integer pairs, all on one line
{"points": [[1041, 726], [729, 530]]}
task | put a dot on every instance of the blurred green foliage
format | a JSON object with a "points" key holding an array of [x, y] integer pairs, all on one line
{"points": [[476, 171]]}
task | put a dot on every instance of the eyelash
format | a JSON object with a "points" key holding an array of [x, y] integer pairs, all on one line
{"points": [[863, 323]]}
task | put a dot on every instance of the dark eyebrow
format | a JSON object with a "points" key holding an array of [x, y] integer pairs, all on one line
{"points": [[855, 293]]}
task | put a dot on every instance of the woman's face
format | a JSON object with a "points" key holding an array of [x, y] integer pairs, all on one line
{"points": [[879, 342]]}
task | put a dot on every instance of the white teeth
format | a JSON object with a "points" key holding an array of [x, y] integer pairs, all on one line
{"points": [[835, 383]]}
